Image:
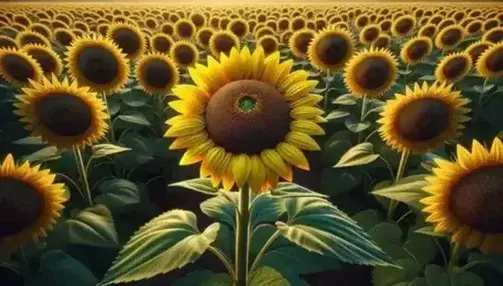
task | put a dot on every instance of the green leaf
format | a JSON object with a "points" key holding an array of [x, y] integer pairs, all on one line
{"points": [[466, 278], [135, 98], [361, 154], [203, 185], [483, 88], [366, 219], [429, 230], [59, 269], [427, 78], [291, 190], [267, 276], [422, 247], [386, 233], [389, 276], [356, 126], [318, 226], [345, 99], [102, 150], [167, 242], [93, 226], [194, 278], [266, 209], [49, 153], [336, 114], [117, 193], [30, 140], [221, 209], [336, 181], [217, 280], [136, 118], [436, 275], [420, 281], [408, 190]]}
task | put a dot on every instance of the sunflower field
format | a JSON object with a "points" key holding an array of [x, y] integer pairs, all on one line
{"points": [[251, 144]]}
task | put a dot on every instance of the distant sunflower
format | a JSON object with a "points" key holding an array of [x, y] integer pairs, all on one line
{"points": [[490, 63], [429, 30], [371, 72], [495, 35], [223, 42], [264, 31], [185, 29], [474, 27], [382, 42], [403, 26], [464, 197], [102, 29], [246, 119], [238, 27], [284, 38], [128, 38], [28, 37], [41, 29], [31, 203], [17, 67], [198, 19], [62, 113], [330, 49], [48, 60], [203, 37], [450, 37], [362, 21], [8, 43], [369, 34], [476, 49], [416, 50], [490, 24], [64, 36], [184, 53], [157, 73], [97, 62], [161, 43], [297, 23], [168, 29], [299, 42], [423, 118], [385, 25], [283, 24], [453, 67], [269, 44]]}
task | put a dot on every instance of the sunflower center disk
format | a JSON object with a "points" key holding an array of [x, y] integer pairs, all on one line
{"points": [[127, 40], [46, 61], [417, 50], [64, 115], [162, 44], [17, 67], [98, 65], [477, 199], [157, 73], [20, 206], [451, 37], [184, 54], [332, 49], [302, 42], [423, 119], [495, 36], [454, 67], [372, 73], [494, 61], [404, 26], [247, 116], [224, 44]]}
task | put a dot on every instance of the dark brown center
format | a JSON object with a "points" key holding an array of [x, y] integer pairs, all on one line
{"points": [[494, 61], [454, 67], [423, 119], [198, 20], [490, 24], [451, 37], [223, 23], [185, 30], [7, 43], [428, 32], [298, 24], [302, 42], [477, 51], [157, 73], [98, 65], [205, 36], [362, 21], [247, 116], [64, 38], [162, 44], [127, 40], [283, 24], [477, 199], [18, 68], [269, 45], [403, 26], [495, 36], [371, 34], [238, 28], [474, 27], [224, 43], [167, 29], [31, 39], [184, 55], [386, 25], [417, 50], [332, 49], [382, 42], [20, 206], [372, 72], [44, 59]]}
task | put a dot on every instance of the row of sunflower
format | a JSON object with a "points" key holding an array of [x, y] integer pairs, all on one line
{"points": [[409, 97]]}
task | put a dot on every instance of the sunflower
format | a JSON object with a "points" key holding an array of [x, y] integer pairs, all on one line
{"points": [[8, 43], [428, 30], [268, 43], [247, 119], [64, 36], [495, 35], [25, 221], [62, 113], [371, 72], [28, 37], [157, 73], [223, 42], [453, 67], [490, 23], [382, 42], [403, 26], [299, 42], [184, 53], [476, 49], [450, 37], [362, 21], [161, 43], [22, 20], [464, 197], [198, 19], [184, 29], [224, 23], [17, 67], [385, 25], [97, 62], [490, 63], [263, 31], [128, 38], [283, 24], [48, 60], [423, 118], [474, 27], [297, 23], [416, 50], [203, 37], [331, 49], [238, 27], [284, 38], [369, 34], [168, 29]]}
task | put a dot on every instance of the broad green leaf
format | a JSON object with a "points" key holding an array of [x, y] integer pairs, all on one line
{"points": [[267, 276], [136, 118], [266, 209], [420, 281], [218, 280], [436, 275], [202, 185], [366, 219], [390, 276], [386, 233], [356, 126], [336, 181], [135, 98], [168, 242], [423, 248], [221, 209], [60, 269], [361, 154], [93, 226], [194, 278], [427, 78], [336, 146], [466, 278], [49, 153], [318, 226], [30, 140], [483, 88], [345, 99], [117, 193], [102, 150], [291, 190], [429, 230], [336, 114], [408, 190]]}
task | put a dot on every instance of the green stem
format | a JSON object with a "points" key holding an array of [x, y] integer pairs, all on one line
{"points": [[399, 175], [406, 74], [480, 102], [362, 116], [328, 83], [242, 236], [225, 260], [455, 255], [105, 101], [264, 249], [83, 174]]}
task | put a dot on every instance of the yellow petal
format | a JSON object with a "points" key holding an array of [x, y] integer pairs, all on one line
{"points": [[293, 78], [187, 107], [241, 167], [300, 89], [258, 59], [216, 159], [307, 127], [188, 141], [274, 162], [196, 154], [302, 140], [187, 126], [310, 100], [188, 91], [283, 71], [305, 112], [497, 150], [257, 173], [293, 155]]}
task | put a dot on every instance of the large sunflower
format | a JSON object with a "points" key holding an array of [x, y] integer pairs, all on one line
{"points": [[62, 113], [453, 67], [490, 63], [371, 72], [128, 38], [465, 197], [223, 42], [17, 67], [48, 60], [157, 73], [416, 50], [97, 62], [31, 203], [423, 118], [331, 49], [247, 119]]}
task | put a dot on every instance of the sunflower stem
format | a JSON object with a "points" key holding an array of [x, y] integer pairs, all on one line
{"points": [[362, 116], [242, 236], [328, 84], [83, 174], [480, 102], [105, 101], [455, 255], [399, 175]]}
